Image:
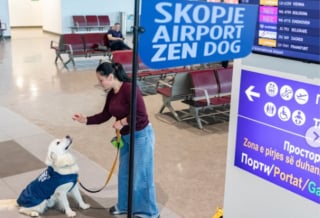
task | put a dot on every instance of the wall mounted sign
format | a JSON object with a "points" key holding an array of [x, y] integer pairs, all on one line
{"points": [[278, 132], [179, 33]]}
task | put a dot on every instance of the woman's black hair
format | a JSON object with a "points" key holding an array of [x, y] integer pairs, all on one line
{"points": [[104, 69]]}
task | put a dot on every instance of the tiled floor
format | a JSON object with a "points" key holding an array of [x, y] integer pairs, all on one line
{"points": [[37, 100]]}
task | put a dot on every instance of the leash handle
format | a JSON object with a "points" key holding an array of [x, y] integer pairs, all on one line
{"points": [[118, 136]]}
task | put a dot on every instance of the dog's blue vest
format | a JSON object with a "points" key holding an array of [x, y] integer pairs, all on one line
{"points": [[43, 187]]}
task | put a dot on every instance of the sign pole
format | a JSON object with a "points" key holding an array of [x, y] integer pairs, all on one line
{"points": [[136, 30]]}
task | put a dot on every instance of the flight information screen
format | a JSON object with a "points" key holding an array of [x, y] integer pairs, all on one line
{"points": [[288, 28]]}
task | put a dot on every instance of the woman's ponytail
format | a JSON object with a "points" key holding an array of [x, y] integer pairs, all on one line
{"points": [[120, 73]]}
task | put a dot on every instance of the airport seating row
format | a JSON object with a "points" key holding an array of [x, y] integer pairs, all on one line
{"points": [[80, 45], [90, 22], [200, 90]]}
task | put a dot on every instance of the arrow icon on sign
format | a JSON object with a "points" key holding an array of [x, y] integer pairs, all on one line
{"points": [[251, 93], [316, 136]]}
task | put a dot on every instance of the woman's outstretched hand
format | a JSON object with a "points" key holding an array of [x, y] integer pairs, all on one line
{"points": [[80, 118]]}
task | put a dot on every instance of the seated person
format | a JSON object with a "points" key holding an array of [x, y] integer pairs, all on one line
{"points": [[115, 38]]}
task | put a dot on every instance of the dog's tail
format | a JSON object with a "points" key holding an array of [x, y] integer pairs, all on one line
{"points": [[8, 204]]}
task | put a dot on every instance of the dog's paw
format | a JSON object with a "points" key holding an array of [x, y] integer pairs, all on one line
{"points": [[71, 213], [34, 214], [29, 212], [84, 206]]}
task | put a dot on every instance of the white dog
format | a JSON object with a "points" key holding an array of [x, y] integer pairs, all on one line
{"points": [[52, 186]]}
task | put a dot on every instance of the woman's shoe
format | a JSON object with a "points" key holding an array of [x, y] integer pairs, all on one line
{"points": [[138, 216], [115, 211]]}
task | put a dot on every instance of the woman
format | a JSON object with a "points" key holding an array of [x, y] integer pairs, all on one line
{"points": [[112, 77]]}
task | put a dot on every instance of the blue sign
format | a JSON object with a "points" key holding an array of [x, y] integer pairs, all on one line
{"points": [[278, 132], [179, 33]]}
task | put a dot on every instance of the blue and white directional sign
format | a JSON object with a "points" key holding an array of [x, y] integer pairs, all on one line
{"points": [[179, 33], [278, 132]]}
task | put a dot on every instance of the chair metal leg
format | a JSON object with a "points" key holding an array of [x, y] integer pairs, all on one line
{"points": [[66, 63], [174, 113], [162, 108], [71, 59], [58, 56], [198, 119], [167, 103], [2, 36], [164, 103]]}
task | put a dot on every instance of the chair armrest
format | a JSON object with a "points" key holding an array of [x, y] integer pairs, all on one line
{"points": [[167, 83], [68, 48], [162, 82], [54, 45], [205, 94]]}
